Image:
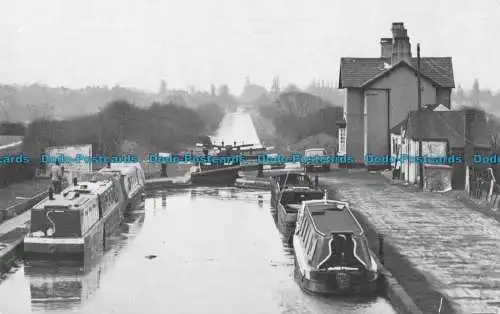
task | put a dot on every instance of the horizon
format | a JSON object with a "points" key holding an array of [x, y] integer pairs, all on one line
{"points": [[61, 44]]}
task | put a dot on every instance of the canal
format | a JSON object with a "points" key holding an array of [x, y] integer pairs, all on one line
{"points": [[191, 251], [203, 250]]}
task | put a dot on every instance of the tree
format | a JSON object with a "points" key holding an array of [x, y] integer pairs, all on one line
{"points": [[460, 96], [291, 88]]}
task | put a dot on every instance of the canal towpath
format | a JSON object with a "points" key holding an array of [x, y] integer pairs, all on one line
{"points": [[442, 252], [15, 202]]}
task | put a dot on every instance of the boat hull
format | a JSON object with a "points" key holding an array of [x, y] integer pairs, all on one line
{"points": [[136, 201], [286, 224], [66, 249], [221, 176], [327, 284]]}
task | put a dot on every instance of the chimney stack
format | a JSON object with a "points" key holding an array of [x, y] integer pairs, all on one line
{"points": [[386, 47], [401, 47]]}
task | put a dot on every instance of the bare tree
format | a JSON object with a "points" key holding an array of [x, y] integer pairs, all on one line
{"points": [[44, 111]]}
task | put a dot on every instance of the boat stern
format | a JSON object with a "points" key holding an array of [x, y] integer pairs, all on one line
{"points": [[44, 246], [336, 282]]}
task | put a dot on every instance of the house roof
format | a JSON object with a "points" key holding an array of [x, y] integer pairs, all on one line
{"points": [[359, 72], [448, 125]]}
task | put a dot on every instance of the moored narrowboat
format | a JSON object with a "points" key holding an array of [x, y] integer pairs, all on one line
{"points": [[291, 190], [133, 182], [331, 251], [281, 179], [75, 223]]}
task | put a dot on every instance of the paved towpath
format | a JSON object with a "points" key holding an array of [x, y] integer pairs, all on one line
{"points": [[458, 249], [10, 196]]}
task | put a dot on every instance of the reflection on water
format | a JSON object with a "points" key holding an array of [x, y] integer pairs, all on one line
{"points": [[237, 127], [60, 287], [64, 285], [215, 251]]}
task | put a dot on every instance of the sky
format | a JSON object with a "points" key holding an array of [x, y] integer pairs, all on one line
{"points": [[137, 43]]}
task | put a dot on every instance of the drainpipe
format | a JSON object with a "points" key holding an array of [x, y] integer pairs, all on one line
{"points": [[389, 152]]}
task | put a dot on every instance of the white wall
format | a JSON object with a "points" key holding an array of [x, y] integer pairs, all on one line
{"points": [[429, 149]]}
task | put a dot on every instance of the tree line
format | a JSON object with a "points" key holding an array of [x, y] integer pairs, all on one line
{"points": [[298, 115], [160, 127]]}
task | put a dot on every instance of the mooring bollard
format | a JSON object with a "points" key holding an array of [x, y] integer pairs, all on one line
{"points": [[163, 170], [260, 172], [316, 181], [381, 248]]}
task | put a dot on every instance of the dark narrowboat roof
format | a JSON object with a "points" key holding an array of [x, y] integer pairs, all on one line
{"points": [[329, 218], [283, 172]]}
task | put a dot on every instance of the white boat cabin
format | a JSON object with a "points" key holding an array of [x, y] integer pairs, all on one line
{"points": [[131, 175], [76, 210]]}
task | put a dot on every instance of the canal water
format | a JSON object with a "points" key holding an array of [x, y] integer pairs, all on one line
{"points": [[237, 127], [204, 250], [191, 251]]}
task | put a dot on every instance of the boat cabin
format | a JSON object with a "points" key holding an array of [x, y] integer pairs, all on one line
{"points": [[293, 187], [131, 176], [76, 210], [68, 215], [292, 178], [331, 237]]}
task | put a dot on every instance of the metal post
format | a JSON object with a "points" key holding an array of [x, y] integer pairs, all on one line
{"points": [[164, 170], [316, 181], [420, 129]]}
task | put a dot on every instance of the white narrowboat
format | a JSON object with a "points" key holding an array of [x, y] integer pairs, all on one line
{"points": [[133, 181], [331, 251], [75, 223]]}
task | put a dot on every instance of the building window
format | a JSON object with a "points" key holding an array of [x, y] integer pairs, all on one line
{"points": [[342, 141]]}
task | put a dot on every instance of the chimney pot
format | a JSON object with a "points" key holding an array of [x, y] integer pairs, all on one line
{"points": [[386, 47]]}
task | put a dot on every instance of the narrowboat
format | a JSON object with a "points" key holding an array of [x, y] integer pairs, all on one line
{"points": [[295, 189], [285, 177], [66, 284], [75, 223], [331, 250], [133, 182]]}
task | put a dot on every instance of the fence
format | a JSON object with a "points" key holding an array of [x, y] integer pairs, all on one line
{"points": [[483, 186]]}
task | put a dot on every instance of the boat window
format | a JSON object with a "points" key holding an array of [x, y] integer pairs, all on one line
{"points": [[295, 180], [362, 249], [308, 242], [312, 249], [305, 231], [300, 225], [308, 236], [312, 238]]}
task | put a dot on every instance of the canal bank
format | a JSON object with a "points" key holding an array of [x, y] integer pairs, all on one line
{"points": [[199, 250], [441, 252], [15, 217], [236, 248]]}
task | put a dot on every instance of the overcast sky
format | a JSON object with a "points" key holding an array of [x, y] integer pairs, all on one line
{"points": [[137, 43]]}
